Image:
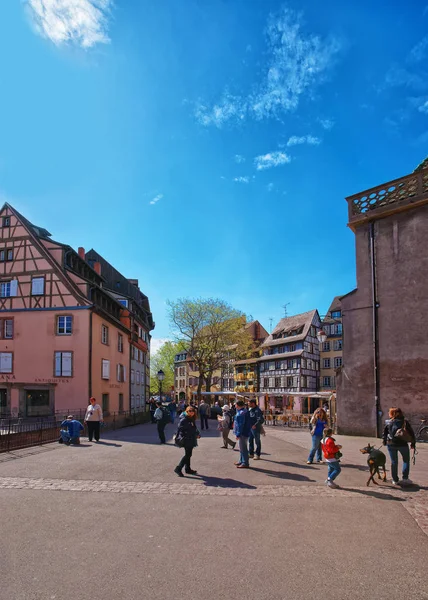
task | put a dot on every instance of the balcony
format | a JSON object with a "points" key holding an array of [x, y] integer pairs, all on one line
{"points": [[395, 196]]}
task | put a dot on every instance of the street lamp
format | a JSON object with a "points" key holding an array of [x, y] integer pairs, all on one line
{"points": [[161, 377], [322, 336]]}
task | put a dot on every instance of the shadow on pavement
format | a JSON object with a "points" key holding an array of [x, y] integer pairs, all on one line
{"points": [[358, 467], [225, 483], [24, 452], [372, 494], [295, 465], [279, 475], [103, 443]]}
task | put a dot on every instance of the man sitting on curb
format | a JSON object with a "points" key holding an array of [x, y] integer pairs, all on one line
{"points": [[70, 431]]}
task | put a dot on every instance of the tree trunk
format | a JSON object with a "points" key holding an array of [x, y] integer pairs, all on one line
{"points": [[208, 383], [200, 384]]}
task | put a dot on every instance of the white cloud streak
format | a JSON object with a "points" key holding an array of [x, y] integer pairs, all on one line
{"points": [[239, 158], [272, 159], [303, 139], [156, 199], [241, 179], [327, 124], [79, 22], [297, 63], [423, 108]]}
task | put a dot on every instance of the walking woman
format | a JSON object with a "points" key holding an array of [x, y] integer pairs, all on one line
{"points": [[318, 423], [93, 419], [396, 437], [225, 425], [187, 436]]}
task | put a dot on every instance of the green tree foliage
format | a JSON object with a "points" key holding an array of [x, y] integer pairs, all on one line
{"points": [[210, 329], [164, 360]]}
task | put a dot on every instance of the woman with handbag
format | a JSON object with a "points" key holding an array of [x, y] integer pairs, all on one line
{"points": [[317, 424], [186, 437], [397, 435]]}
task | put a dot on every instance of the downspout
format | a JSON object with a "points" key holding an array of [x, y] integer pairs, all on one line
{"points": [[90, 354], [375, 326]]}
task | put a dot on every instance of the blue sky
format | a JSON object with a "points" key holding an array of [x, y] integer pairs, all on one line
{"points": [[206, 147]]}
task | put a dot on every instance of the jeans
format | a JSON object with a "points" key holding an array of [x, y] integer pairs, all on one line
{"points": [[173, 413], [226, 440], [316, 448], [161, 431], [93, 430], [204, 421], [243, 449], [185, 461], [393, 455], [255, 437], [334, 469]]}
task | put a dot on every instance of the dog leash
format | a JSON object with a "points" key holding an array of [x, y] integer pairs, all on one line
{"points": [[414, 455]]}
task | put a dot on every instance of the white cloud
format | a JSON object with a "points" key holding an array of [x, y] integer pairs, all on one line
{"points": [[80, 22], [423, 108], [419, 51], [156, 199], [241, 179], [239, 159], [326, 123], [156, 343], [303, 139], [272, 159], [297, 62], [270, 187]]}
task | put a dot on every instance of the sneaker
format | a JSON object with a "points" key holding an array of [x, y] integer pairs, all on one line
{"points": [[251, 455], [234, 444], [406, 482], [331, 484], [177, 470], [191, 472], [308, 462], [238, 463], [320, 462], [257, 457], [395, 482], [243, 466]]}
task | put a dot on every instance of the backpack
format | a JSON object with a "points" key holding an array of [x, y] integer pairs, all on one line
{"points": [[401, 434]]}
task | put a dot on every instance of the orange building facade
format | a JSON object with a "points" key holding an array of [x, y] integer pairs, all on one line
{"points": [[63, 336]]}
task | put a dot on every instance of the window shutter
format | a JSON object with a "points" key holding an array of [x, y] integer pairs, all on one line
{"points": [[14, 287], [118, 372], [38, 286], [124, 373], [6, 362], [57, 364], [271, 382], [67, 364], [106, 369]]}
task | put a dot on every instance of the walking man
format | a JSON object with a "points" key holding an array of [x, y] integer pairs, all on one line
{"points": [[163, 417], [242, 430], [256, 420], [204, 411]]}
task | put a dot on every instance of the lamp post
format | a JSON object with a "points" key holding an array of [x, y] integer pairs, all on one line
{"points": [[161, 377]]}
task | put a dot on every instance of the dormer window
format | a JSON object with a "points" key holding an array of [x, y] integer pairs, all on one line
{"points": [[6, 221]]}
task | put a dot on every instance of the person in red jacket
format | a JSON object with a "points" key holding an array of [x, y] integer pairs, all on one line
{"points": [[330, 450]]}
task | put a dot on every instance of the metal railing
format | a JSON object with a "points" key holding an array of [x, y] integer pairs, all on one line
{"points": [[292, 420], [16, 433]]}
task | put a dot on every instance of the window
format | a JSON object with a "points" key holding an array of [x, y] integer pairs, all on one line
{"points": [[265, 382], [105, 402], [137, 400], [104, 334], [337, 362], [120, 342], [303, 363], [64, 325], [336, 314], [8, 288], [292, 348], [6, 362], [105, 369], [6, 221], [6, 329], [120, 403], [38, 286], [9, 255], [289, 382], [326, 363], [339, 328], [326, 381], [63, 364], [6, 255], [338, 344], [303, 381], [120, 373], [132, 400], [326, 347], [326, 329], [312, 331], [132, 376], [123, 302], [277, 364], [277, 382], [137, 377]]}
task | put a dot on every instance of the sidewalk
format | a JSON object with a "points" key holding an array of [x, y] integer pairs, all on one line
{"points": [[112, 520]]}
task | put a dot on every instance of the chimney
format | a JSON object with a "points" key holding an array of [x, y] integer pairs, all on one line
{"points": [[134, 282], [81, 252], [97, 267]]}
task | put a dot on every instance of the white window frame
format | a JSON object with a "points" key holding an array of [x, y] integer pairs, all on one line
{"points": [[104, 335], [60, 358], [6, 362], [65, 317], [137, 377], [337, 360], [326, 363], [132, 376], [105, 369], [338, 344], [120, 342], [38, 286], [326, 347], [326, 381], [5, 289]]}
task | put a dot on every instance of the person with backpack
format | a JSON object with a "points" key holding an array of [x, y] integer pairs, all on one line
{"points": [[332, 455], [397, 435], [256, 420], [163, 417], [186, 437]]}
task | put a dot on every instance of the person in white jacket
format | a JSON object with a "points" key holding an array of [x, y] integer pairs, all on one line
{"points": [[93, 419]]}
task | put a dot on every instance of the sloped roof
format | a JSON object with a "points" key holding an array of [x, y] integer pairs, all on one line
{"points": [[289, 324], [335, 305], [38, 231]]}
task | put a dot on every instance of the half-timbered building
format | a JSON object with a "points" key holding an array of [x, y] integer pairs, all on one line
{"points": [[291, 360], [59, 327]]}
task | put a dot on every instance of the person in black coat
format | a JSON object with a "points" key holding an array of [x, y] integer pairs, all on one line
{"points": [[396, 445], [187, 436]]}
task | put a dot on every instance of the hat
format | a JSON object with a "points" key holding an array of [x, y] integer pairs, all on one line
{"points": [[226, 407]]}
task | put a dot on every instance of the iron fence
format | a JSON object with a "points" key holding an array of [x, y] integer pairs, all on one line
{"points": [[18, 432]]}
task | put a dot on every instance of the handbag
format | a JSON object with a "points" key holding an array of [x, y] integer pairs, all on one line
{"points": [[338, 455], [403, 434], [178, 440]]}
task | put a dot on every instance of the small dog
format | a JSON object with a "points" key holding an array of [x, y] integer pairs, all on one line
{"points": [[376, 461]]}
